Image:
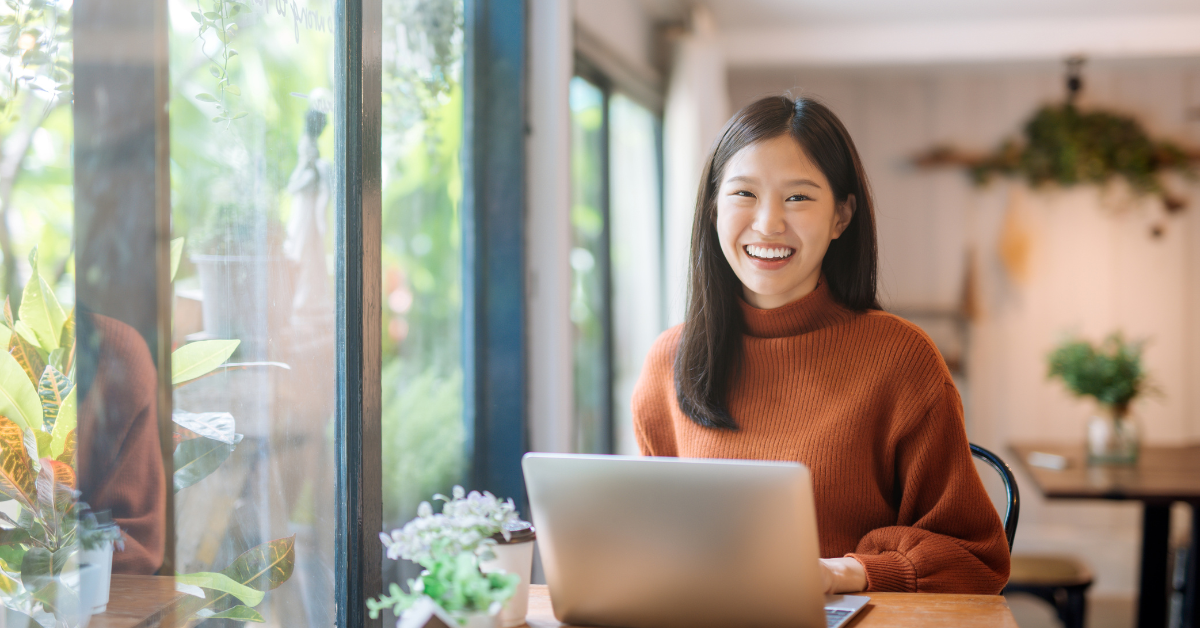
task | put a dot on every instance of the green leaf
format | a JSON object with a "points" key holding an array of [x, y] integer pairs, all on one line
{"points": [[26, 355], [43, 442], [215, 71], [203, 97], [233, 89], [13, 536], [6, 334], [176, 255], [212, 15], [55, 493], [52, 389], [238, 116], [266, 566], [67, 339], [231, 52], [199, 18], [68, 450], [64, 427], [240, 613], [19, 400], [262, 568], [37, 568], [40, 309], [192, 360], [197, 458], [223, 583]]}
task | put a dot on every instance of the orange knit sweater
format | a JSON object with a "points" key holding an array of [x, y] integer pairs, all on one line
{"points": [[866, 402]]}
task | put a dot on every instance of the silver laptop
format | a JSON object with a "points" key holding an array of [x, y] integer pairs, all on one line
{"points": [[658, 542]]}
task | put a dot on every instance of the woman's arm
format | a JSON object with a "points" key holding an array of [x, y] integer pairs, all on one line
{"points": [[653, 398], [948, 537]]}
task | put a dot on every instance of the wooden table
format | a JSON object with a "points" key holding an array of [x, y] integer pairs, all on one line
{"points": [[1163, 475], [138, 602], [894, 610]]}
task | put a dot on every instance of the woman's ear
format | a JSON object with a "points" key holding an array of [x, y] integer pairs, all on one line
{"points": [[845, 211]]}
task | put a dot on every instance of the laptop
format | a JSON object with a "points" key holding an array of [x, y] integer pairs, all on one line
{"points": [[638, 542]]}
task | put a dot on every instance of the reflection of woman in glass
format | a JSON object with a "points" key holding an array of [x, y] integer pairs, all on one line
{"points": [[119, 455], [785, 354]]}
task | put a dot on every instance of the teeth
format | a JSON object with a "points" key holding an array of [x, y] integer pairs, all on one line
{"points": [[765, 253]]}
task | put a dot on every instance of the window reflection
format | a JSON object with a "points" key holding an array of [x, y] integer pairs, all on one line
{"points": [[251, 190]]}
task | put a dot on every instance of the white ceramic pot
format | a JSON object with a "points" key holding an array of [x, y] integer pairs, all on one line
{"points": [[515, 557], [94, 583]]}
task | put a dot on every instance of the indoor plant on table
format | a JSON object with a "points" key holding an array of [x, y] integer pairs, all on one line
{"points": [[1112, 374], [457, 549]]}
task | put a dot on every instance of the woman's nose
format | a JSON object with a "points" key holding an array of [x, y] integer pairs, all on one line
{"points": [[768, 217]]}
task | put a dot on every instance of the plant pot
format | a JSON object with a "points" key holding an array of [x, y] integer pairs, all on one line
{"points": [[1113, 439], [95, 577], [514, 556], [424, 609]]}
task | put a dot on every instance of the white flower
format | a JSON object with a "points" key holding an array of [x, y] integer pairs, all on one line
{"points": [[466, 523]]}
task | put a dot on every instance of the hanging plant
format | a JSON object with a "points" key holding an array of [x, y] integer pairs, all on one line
{"points": [[1066, 146]]}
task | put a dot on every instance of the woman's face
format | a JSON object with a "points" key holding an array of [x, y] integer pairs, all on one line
{"points": [[776, 216]]}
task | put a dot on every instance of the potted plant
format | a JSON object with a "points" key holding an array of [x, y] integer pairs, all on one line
{"points": [[55, 554], [1112, 374], [472, 555]]}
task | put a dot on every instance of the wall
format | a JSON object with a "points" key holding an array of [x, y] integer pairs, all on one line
{"points": [[1093, 265]]}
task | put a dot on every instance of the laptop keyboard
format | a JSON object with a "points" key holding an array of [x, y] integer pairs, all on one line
{"points": [[834, 616]]}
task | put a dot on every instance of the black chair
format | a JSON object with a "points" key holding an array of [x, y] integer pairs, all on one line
{"points": [[1013, 512], [1062, 581]]}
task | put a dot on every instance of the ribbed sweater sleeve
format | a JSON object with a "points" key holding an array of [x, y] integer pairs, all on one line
{"points": [[653, 398], [945, 536]]}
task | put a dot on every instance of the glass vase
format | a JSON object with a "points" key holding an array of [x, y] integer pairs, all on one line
{"points": [[1113, 438]]}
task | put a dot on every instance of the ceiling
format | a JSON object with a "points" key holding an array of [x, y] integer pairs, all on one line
{"points": [[738, 14], [866, 32]]}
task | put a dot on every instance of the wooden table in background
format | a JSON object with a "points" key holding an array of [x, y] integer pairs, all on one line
{"points": [[894, 610], [1163, 475], [138, 602]]}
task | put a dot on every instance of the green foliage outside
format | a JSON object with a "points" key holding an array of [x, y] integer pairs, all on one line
{"points": [[423, 435], [1111, 372], [1067, 146]]}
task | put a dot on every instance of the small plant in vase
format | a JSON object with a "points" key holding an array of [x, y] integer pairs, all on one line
{"points": [[1112, 374], [463, 578]]}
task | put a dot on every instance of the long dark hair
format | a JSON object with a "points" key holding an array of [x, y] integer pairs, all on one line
{"points": [[710, 345]]}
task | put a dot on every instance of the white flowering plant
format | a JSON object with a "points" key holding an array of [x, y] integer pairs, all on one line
{"points": [[450, 546], [468, 522]]}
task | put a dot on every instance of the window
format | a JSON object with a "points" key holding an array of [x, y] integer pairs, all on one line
{"points": [[423, 425], [252, 200], [202, 193], [616, 257]]}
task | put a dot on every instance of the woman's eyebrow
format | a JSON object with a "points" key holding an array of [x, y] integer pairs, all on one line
{"points": [[808, 182]]}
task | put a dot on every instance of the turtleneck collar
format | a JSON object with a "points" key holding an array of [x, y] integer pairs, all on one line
{"points": [[810, 312]]}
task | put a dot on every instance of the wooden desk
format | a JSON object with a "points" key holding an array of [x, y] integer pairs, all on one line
{"points": [[1162, 475], [138, 602], [894, 610]]}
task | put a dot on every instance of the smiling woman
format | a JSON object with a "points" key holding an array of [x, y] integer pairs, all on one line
{"points": [[785, 355]]}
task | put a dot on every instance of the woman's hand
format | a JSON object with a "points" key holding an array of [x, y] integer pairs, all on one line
{"points": [[842, 575]]}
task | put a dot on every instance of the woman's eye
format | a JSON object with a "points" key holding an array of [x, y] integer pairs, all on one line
{"points": [[744, 193], [798, 197]]}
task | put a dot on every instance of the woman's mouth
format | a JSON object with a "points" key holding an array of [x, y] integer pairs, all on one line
{"points": [[769, 253]]}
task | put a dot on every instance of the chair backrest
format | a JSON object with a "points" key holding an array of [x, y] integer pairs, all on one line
{"points": [[1010, 488]]}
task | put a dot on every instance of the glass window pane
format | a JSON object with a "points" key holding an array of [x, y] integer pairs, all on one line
{"points": [[589, 257], [635, 212], [251, 106], [424, 437]]}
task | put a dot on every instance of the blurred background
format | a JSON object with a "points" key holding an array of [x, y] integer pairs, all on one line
{"points": [[635, 92]]}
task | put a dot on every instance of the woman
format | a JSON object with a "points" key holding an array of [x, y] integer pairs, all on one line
{"points": [[786, 355]]}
